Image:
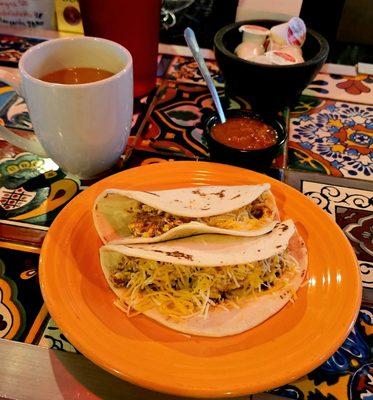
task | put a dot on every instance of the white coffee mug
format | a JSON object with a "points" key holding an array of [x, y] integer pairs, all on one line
{"points": [[82, 127]]}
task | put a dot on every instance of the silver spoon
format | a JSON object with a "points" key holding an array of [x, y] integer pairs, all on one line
{"points": [[191, 40]]}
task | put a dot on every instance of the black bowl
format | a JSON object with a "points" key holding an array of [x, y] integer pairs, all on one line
{"points": [[267, 87], [258, 160]]}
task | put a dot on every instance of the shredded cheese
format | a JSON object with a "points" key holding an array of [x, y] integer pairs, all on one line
{"points": [[180, 291]]}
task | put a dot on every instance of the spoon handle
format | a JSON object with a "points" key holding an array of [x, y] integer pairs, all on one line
{"points": [[191, 40]]}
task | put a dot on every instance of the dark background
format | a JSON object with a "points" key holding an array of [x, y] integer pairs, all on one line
{"points": [[345, 23]]}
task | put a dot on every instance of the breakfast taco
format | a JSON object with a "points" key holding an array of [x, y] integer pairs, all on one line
{"points": [[208, 285], [131, 216]]}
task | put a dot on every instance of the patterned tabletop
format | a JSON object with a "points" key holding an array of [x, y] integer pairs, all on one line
{"points": [[328, 157]]}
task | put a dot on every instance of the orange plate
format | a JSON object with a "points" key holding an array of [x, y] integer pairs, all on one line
{"points": [[280, 350]]}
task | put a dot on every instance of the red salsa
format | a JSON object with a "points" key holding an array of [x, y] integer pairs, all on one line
{"points": [[245, 134]]}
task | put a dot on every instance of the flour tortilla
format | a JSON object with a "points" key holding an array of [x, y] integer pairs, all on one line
{"points": [[111, 216], [212, 250]]}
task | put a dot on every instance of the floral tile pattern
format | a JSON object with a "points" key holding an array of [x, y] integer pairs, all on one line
{"points": [[352, 209], [15, 114], [53, 338], [184, 69], [13, 109], [6, 93], [12, 48], [33, 190], [174, 126], [347, 375], [20, 297], [346, 88], [163, 63], [334, 138], [140, 110]]}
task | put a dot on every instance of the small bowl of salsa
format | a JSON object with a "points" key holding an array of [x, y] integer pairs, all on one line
{"points": [[246, 139]]}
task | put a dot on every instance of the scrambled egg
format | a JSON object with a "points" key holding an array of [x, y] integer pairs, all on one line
{"points": [[150, 222], [180, 291]]}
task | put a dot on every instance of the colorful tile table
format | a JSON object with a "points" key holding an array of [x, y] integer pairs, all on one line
{"points": [[328, 157]]}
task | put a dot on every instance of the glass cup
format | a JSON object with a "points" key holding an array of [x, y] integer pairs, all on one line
{"points": [[135, 25]]}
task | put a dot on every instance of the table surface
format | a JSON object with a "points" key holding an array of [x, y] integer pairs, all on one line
{"points": [[328, 157]]}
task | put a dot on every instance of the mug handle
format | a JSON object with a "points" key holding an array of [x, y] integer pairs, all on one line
{"points": [[32, 146]]}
